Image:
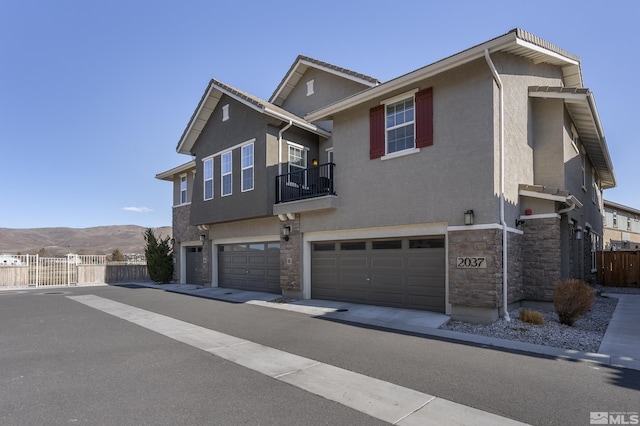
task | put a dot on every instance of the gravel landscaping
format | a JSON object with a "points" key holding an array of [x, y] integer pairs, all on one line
{"points": [[585, 335]]}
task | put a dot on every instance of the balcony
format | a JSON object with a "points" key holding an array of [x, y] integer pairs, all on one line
{"points": [[305, 190]]}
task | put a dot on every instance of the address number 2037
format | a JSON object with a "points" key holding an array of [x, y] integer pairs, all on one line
{"points": [[471, 262]]}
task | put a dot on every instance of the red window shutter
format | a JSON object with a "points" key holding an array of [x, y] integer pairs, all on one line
{"points": [[424, 118], [376, 132]]}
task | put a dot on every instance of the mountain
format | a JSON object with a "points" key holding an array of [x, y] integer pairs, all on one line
{"points": [[59, 241]]}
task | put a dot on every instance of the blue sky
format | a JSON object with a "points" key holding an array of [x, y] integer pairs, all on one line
{"points": [[94, 95]]}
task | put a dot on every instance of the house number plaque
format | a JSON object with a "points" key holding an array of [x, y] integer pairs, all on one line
{"points": [[471, 262]]}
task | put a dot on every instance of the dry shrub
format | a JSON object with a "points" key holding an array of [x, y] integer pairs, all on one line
{"points": [[572, 298], [531, 316]]}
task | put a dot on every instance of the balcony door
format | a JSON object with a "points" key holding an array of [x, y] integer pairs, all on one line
{"points": [[297, 165]]}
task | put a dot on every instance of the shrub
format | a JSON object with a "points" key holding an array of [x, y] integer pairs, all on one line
{"points": [[572, 298], [159, 254], [531, 316]]}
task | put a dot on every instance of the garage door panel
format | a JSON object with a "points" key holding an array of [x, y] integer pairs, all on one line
{"points": [[358, 262], [396, 262], [379, 280]]}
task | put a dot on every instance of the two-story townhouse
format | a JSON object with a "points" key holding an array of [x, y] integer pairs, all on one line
{"points": [[621, 227], [225, 231], [463, 187]]}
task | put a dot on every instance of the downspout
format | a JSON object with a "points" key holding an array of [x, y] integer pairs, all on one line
{"points": [[280, 132], [284, 129], [505, 263]]}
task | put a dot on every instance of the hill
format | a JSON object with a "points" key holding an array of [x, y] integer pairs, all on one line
{"points": [[59, 241]]}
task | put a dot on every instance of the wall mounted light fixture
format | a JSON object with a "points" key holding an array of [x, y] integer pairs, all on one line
{"points": [[286, 230], [468, 217], [202, 238]]}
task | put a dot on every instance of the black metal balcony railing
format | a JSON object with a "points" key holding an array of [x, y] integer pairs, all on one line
{"points": [[305, 183]]}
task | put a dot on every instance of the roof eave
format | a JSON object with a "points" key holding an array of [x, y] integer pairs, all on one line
{"points": [[509, 41], [581, 103], [208, 102], [169, 174]]}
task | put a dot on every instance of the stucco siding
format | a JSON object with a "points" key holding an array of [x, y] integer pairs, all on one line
{"points": [[437, 184], [218, 136], [327, 89]]}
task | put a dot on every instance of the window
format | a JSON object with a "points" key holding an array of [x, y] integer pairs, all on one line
{"points": [[629, 223], [208, 178], [594, 187], [386, 245], [615, 219], [594, 249], [183, 189], [297, 164], [225, 171], [401, 124], [356, 245], [247, 167], [225, 112], [330, 155]]}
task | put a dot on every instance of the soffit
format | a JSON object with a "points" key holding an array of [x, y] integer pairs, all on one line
{"points": [[582, 108], [516, 42]]}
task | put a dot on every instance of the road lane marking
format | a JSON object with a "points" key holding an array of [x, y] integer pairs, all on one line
{"points": [[377, 398]]}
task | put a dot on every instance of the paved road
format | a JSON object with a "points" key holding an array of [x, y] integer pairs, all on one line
{"points": [[64, 362]]}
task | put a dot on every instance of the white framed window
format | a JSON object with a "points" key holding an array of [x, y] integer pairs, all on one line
{"points": [[594, 187], [225, 112], [615, 219], [400, 131], [183, 189], [207, 177], [310, 87], [297, 164], [329, 155], [226, 173], [247, 167]]}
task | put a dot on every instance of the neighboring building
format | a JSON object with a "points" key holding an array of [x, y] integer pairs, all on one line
{"points": [[621, 227], [409, 193]]}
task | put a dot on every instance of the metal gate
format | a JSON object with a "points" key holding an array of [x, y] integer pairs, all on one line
{"points": [[33, 270]]}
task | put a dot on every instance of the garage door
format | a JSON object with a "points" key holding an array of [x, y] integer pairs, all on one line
{"points": [[254, 267], [405, 273], [194, 265]]}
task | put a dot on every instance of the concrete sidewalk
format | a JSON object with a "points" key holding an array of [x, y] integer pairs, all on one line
{"points": [[620, 346]]}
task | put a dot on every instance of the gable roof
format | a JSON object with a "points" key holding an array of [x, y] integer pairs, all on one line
{"points": [[579, 101], [302, 64], [210, 100]]}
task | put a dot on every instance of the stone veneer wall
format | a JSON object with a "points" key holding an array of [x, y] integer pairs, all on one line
{"points": [[476, 294], [541, 253], [291, 260], [481, 288], [182, 231]]}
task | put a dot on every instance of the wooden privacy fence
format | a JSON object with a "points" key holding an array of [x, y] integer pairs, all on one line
{"points": [[36, 271], [619, 268]]}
